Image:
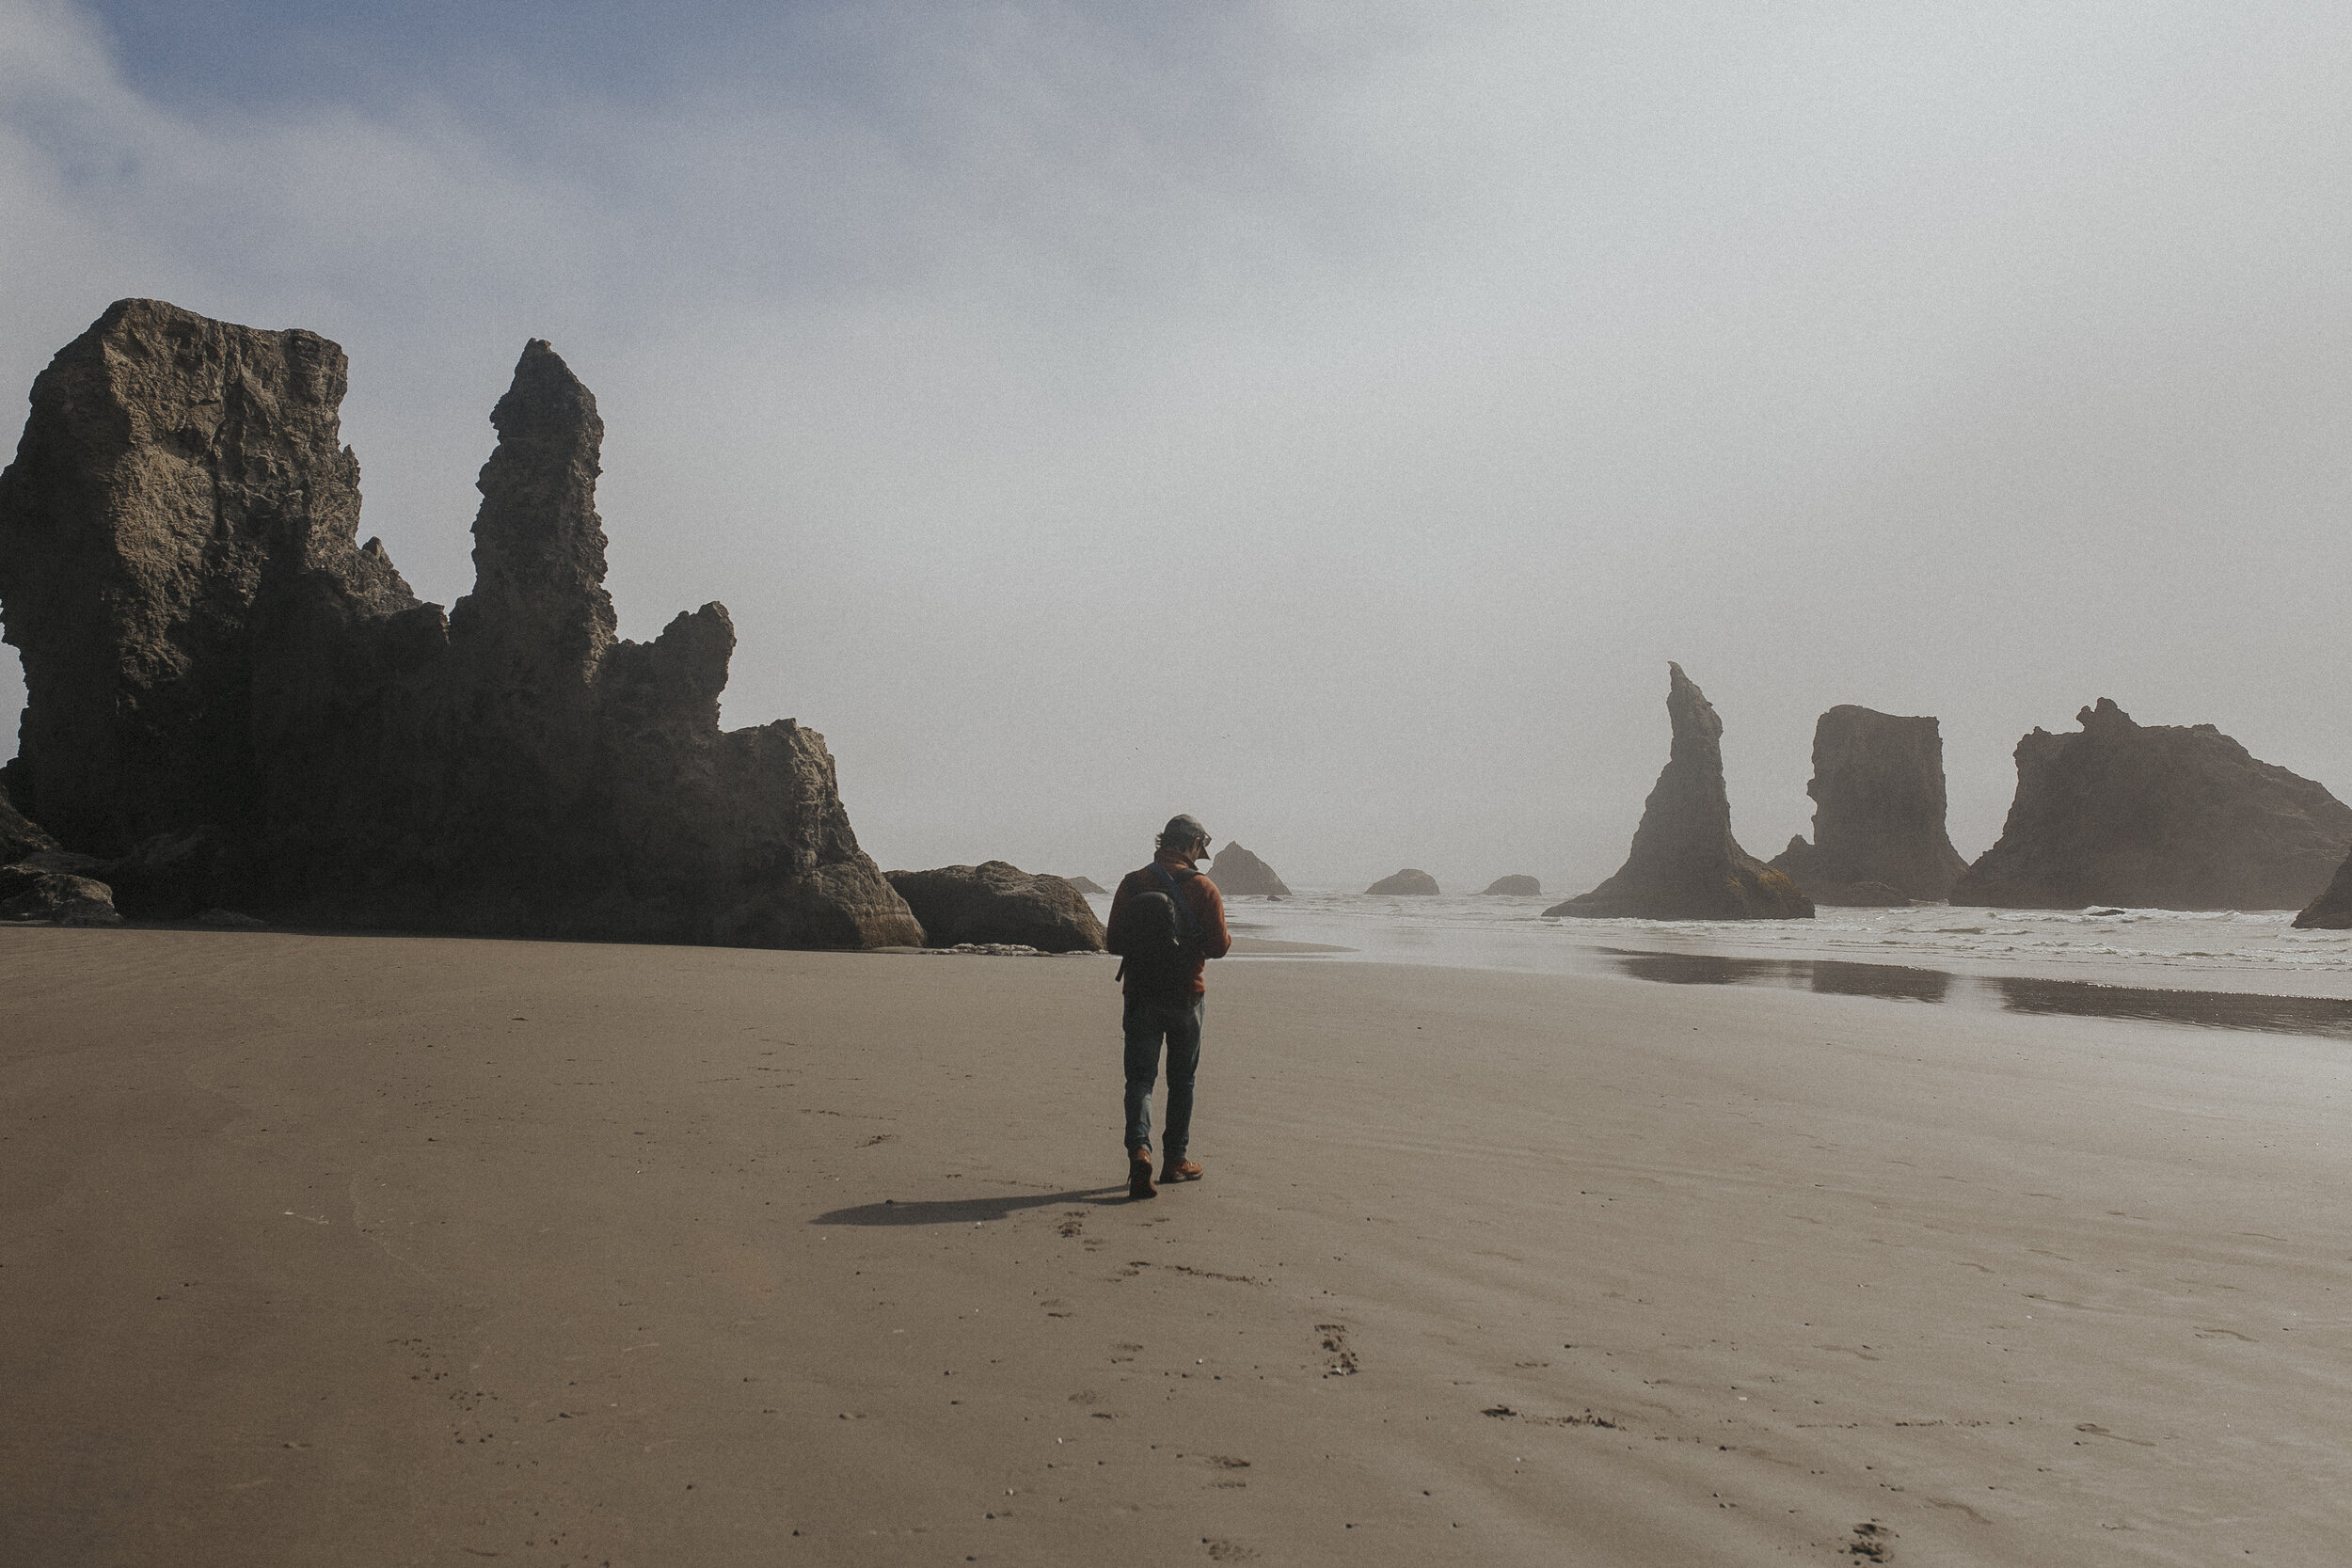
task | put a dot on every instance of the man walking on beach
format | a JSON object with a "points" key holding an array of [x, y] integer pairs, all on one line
{"points": [[1167, 921]]}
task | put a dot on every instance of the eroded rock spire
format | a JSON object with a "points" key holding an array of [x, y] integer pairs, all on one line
{"points": [[1685, 864], [539, 545]]}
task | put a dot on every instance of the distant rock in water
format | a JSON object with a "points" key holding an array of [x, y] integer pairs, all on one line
{"points": [[249, 709], [1407, 883], [1087, 885], [2156, 817], [1685, 864], [1236, 870], [1878, 819], [1515, 887], [2332, 909], [996, 903]]}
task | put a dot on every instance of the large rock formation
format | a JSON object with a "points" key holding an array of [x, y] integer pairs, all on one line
{"points": [[1685, 864], [1515, 887], [998, 902], [254, 711], [1878, 819], [1407, 883], [2332, 909], [1236, 870], [2160, 816], [1088, 885]]}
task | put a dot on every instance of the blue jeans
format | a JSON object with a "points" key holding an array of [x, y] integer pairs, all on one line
{"points": [[1146, 1022]]}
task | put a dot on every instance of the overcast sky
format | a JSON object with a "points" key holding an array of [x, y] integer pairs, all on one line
{"points": [[1327, 419]]}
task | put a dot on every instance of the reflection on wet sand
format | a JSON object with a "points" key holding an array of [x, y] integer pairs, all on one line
{"points": [[1841, 977], [2214, 1010], [1831, 976], [2210, 1010]]}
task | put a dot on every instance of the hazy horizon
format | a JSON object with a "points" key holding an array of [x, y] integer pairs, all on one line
{"points": [[1328, 421]]}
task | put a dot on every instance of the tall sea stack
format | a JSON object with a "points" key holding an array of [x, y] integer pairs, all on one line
{"points": [[1685, 864], [2156, 817], [243, 707], [1878, 819]]}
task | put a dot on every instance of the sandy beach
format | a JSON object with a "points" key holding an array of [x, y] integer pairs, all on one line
{"points": [[322, 1249]]}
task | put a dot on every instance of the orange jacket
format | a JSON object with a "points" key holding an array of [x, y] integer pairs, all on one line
{"points": [[1201, 896]]}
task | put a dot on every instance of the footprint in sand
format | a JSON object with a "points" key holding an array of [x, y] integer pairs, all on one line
{"points": [[2097, 1431], [1872, 1543], [1342, 1362]]}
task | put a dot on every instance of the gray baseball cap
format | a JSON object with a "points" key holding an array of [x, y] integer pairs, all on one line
{"points": [[1182, 829]]}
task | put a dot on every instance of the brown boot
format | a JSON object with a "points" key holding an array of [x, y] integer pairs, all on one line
{"points": [[1182, 1170], [1139, 1174]]}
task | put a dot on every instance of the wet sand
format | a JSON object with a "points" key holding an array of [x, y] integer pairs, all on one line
{"points": [[352, 1250]]}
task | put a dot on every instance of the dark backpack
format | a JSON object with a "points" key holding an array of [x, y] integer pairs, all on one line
{"points": [[1160, 939]]}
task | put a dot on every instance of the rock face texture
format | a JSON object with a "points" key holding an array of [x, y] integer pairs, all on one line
{"points": [[19, 837], [1860, 895], [1407, 883], [997, 902], [251, 710], [1515, 887], [1685, 864], [1878, 819], [2332, 909], [2156, 817], [39, 880], [1236, 870], [173, 876], [55, 896]]}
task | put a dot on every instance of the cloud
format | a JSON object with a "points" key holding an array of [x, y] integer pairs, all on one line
{"points": [[1328, 419]]}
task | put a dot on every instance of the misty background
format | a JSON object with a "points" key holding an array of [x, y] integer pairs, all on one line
{"points": [[1325, 418]]}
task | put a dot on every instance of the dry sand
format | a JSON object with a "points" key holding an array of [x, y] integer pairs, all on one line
{"points": [[353, 1251]]}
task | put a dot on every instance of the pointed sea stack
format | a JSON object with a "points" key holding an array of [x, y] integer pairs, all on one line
{"points": [[2332, 909], [243, 707], [1236, 870], [1685, 864], [2156, 817], [1878, 819]]}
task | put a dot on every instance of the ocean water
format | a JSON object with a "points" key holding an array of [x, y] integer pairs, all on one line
{"points": [[2219, 968]]}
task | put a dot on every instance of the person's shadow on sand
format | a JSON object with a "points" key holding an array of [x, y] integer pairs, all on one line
{"points": [[962, 1210]]}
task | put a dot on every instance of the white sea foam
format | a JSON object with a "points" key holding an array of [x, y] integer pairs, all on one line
{"points": [[2229, 950]]}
